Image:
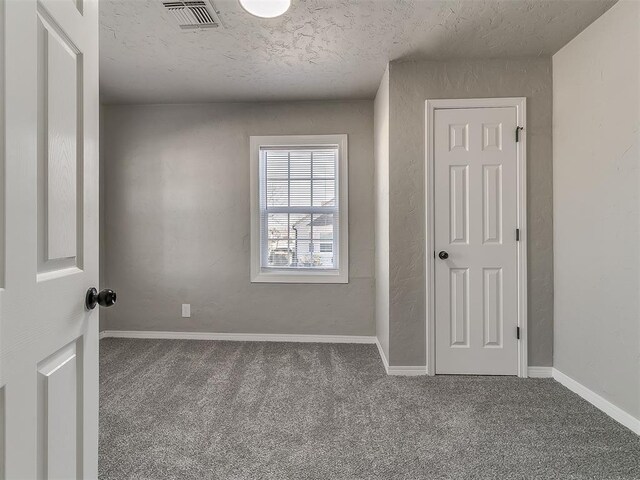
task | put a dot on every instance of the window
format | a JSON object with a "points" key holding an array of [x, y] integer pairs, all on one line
{"points": [[299, 209]]}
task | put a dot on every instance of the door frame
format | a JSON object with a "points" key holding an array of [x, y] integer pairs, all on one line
{"points": [[520, 104]]}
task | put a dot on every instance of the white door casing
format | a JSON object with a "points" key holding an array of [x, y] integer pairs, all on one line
{"points": [[475, 203], [48, 340]]}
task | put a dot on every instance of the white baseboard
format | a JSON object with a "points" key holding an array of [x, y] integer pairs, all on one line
{"points": [[407, 371], [606, 406], [237, 337], [102, 334], [403, 371], [383, 357], [540, 372]]}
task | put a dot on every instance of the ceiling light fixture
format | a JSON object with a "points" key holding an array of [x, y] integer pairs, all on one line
{"points": [[265, 8]]}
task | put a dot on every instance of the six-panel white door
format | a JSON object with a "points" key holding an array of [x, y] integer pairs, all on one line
{"points": [[475, 213], [49, 187]]}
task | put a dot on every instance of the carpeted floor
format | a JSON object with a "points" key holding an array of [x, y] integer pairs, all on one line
{"points": [[235, 410]]}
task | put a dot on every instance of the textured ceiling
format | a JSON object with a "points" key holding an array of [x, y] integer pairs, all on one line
{"points": [[320, 49]]}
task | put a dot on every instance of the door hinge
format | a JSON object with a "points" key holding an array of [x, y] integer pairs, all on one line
{"points": [[517, 234], [518, 129], [518, 333]]}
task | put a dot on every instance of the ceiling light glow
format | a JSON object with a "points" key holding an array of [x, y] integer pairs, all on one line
{"points": [[266, 8]]}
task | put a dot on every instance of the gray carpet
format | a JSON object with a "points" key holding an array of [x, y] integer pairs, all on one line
{"points": [[236, 410]]}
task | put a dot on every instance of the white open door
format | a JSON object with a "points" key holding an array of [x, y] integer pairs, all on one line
{"points": [[49, 161]]}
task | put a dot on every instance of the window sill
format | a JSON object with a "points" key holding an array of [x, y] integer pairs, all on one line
{"points": [[331, 276]]}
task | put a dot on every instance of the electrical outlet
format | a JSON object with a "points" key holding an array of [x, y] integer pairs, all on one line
{"points": [[186, 310]]}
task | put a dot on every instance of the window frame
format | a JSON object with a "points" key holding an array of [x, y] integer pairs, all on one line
{"points": [[260, 274]]}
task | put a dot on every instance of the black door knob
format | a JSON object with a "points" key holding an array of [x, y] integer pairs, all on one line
{"points": [[104, 298], [443, 255]]}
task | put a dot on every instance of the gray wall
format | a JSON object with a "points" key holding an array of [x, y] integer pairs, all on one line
{"points": [[411, 83], [381, 138], [176, 198], [597, 207]]}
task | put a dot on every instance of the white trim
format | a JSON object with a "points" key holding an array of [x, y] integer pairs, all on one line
{"points": [[540, 372], [383, 357], [407, 371], [339, 275], [103, 334], [400, 371], [596, 400], [238, 337], [521, 118]]}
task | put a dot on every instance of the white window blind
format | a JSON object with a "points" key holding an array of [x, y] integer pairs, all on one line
{"points": [[299, 207]]}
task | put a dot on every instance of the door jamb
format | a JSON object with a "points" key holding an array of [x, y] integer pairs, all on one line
{"points": [[520, 104]]}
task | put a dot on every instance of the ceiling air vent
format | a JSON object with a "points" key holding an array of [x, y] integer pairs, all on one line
{"points": [[192, 14]]}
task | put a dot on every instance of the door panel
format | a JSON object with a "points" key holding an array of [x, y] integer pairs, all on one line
{"points": [[60, 149], [58, 61], [475, 172], [57, 415], [492, 204], [2, 430], [459, 212], [48, 340], [492, 303], [459, 293]]}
